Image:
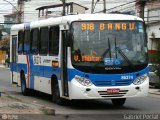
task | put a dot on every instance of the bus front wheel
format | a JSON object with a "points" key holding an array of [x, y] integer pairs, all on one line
{"points": [[24, 89], [56, 94], [119, 101]]}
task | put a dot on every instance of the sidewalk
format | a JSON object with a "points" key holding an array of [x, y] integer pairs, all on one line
{"points": [[154, 91], [3, 66]]}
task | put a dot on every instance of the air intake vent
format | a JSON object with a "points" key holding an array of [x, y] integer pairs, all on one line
{"points": [[112, 83], [120, 94]]}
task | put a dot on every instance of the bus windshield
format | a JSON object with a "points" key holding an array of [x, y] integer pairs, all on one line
{"points": [[108, 43]]}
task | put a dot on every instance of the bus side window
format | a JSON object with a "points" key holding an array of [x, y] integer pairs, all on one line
{"points": [[20, 42], [44, 37], [34, 41], [54, 40], [26, 41]]}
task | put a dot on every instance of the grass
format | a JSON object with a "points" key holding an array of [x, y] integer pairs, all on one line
{"points": [[13, 98], [48, 111]]}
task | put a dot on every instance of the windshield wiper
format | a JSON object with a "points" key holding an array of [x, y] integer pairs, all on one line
{"points": [[122, 54], [105, 52], [117, 49]]}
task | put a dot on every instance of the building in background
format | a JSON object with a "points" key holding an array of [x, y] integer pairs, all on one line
{"points": [[3, 44], [26, 9], [152, 19], [50, 10], [31, 14], [9, 20]]}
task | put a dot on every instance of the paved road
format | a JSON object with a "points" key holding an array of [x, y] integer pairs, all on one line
{"points": [[91, 108], [5, 83]]}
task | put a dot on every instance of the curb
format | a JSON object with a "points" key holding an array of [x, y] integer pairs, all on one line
{"points": [[154, 93], [4, 67]]}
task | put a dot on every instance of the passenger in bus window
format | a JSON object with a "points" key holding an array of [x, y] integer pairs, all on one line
{"points": [[78, 53]]}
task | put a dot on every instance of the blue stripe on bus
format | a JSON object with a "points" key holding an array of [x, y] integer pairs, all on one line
{"points": [[109, 79], [97, 79], [18, 67], [36, 70]]}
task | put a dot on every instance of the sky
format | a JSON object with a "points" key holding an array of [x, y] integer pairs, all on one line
{"points": [[30, 6]]}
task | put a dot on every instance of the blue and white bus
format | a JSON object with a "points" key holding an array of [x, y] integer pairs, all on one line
{"points": [[85, 56]]}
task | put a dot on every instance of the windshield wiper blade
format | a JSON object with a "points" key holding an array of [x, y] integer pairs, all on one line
{"points": [[105, 52], [115, 43], [124, 56], [121, 53], [109, 46]]}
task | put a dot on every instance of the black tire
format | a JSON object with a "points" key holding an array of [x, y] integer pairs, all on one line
{"points": [[24, 89], [118, 102], [56, 94]]}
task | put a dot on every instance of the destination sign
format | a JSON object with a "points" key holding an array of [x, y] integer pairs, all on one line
{"points": [[108, 26], [87, 58]]}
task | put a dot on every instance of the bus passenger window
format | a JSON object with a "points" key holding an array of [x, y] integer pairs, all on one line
{"points": [[34, 41], [54, 40], [44, 37], [20, 42], [27, 41]]}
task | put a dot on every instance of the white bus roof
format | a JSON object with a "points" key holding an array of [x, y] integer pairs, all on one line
{"points": [[71, 18]]}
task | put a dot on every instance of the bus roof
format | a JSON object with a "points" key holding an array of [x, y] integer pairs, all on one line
{"points": [[71, 18]]}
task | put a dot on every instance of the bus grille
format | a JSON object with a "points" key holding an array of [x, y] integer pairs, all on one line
{"points": [[120, 94], [112, 83]]}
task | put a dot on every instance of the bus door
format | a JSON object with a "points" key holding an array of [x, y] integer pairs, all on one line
{"points": [[14, 57], [64, 71]]}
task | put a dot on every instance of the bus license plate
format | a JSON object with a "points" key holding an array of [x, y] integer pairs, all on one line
{"points": [[113, 91]]}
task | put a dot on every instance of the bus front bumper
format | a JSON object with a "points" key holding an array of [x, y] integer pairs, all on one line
{"points": [[78, 91]]}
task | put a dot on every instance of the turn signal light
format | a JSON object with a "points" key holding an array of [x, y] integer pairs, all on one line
{"points": [[55, 64]]}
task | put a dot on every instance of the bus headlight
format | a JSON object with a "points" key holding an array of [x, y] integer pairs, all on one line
{"points": [[83, 81], [140, 79]]}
